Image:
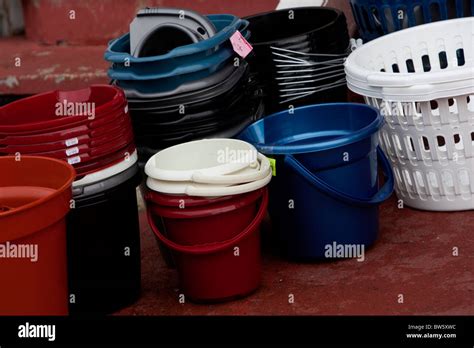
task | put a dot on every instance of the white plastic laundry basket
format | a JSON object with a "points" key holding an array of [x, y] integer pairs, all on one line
{"points": [[422, 80]]}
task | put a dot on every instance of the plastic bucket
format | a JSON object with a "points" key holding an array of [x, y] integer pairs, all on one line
{"points": [[40, 135], [213, 112], [98, 164], [208, 88], [300, 59], [209, 98], [58, 145], [104, 244], [94, 148], [240, 116], [173, 201], [207, 190], [201, 158], [35, 195], [118, 51], [376, 18], [188, 88], [205, 64], [148, 146], [217, 247], [39, 112], [185, 75], [108, 172], [326, 187]]}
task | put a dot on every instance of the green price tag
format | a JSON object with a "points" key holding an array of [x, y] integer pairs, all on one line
{"points": [[273, 166]]}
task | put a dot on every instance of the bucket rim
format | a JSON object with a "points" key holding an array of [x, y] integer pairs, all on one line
{"points": [[339, 14], [232, 23], [171, 200], [217, 208], [55, 194], [152, 169], [113, 107], [356, 136]]}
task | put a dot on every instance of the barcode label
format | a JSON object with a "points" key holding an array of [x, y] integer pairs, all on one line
{"points": [[72, 151], [74, 160], [72, 142]]}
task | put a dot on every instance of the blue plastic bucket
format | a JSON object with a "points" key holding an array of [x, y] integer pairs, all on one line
{"points": [[326, 188], [379, 17]]}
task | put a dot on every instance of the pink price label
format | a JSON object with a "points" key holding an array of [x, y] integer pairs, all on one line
{"points": [[240, 45]]}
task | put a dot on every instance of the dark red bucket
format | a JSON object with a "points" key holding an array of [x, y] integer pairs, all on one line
{"points": [[216, 247]]}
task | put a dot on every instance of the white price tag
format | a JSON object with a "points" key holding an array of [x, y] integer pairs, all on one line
{"points": [[72, 142]]}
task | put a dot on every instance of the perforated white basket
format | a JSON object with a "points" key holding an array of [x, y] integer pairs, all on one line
{"points": [[422, 80]]}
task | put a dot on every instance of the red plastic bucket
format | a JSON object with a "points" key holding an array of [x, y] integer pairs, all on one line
{"points": [[178, 201], [38, 113], [58, 145], [35, 195], [90, 167], [99, 125], [216, 247]]}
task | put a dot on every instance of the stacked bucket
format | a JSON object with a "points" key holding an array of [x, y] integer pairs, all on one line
{"points": [[206, 200], [91, 130], [299, 56], [182, 78], [376, 18]]}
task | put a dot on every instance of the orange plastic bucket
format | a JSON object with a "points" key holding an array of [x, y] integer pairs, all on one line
{"points": [[35, 194]]}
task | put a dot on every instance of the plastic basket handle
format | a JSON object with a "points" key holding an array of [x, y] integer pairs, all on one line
{"points": [[229, 190], [233, 178], [382, 195], [213, 247]]}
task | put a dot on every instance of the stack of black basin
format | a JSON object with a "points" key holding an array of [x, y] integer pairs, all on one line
{"points": [[299, 55]]}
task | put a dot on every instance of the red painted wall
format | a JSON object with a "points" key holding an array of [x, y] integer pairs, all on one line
{"points": [[98, 21]]}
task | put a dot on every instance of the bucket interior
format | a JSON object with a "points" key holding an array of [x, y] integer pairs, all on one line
{"points": [[43, 107], [122, 45], [29, 172], [309, 125], [279, 25], [163, 40], [14, 197], [197, 155]]}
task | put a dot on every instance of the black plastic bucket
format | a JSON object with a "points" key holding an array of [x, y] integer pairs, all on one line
{"points": [[237, 117], [299, 55], [104, 245]]}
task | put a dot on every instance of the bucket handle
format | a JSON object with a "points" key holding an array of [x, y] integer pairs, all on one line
{"points": [[382, 195], [192, 190], [263, 167], [213, 247]]}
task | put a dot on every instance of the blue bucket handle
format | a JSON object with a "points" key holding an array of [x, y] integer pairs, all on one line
{"points": [[383, 194]]}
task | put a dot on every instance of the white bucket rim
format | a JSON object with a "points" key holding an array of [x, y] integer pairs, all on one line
{"points": [[206, 190], [108, 172], [192, 152]]}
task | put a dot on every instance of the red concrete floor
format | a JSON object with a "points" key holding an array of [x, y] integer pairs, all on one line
{"points": [[413, 257]]}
